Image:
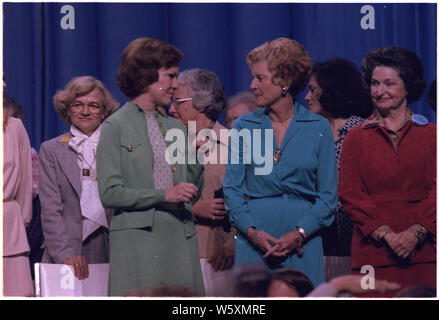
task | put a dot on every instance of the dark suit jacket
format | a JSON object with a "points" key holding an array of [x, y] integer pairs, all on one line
{"points": [[60, 189]]}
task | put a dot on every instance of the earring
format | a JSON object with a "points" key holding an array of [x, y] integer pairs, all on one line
{"points": [[284, 91]]}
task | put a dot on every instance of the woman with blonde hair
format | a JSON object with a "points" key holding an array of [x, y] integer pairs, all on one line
{"points": [[279, 215], [75, 224]]}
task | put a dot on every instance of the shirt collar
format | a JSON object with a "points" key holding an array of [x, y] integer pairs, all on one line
{"points": [[154, 111], [376, 119], [300, 114]]}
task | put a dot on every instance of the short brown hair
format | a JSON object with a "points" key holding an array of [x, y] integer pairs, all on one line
{"points": [[295, 280], [78, 87], [140, 62], [287, 60], [406, 62]]}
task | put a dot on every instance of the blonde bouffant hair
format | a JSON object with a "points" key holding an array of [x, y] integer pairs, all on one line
{"points": [[288, 62], [78, 87]]}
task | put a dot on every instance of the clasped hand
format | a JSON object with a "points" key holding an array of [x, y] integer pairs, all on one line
{"points": [[272, 246], [403, 244]]}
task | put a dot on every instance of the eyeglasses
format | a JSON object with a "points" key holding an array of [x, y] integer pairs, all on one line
{"points": [[178, 102], [77, 106]]}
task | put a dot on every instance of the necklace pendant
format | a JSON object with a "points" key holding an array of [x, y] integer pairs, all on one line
{"points": [[86, 172], [277, 155]]}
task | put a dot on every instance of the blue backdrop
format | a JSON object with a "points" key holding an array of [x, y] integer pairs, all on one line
{"points": [[40, 56]]}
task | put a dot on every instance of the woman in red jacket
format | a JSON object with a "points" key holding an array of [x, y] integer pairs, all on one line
{"points": [[388, 175]]}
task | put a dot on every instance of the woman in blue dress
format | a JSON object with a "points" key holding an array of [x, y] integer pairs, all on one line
{"points": [[279, 211]]}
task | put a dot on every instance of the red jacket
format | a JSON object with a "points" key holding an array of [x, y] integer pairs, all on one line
{"points": [[380, 185]]}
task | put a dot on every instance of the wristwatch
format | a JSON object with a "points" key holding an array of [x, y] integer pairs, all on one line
{"points": [[302, 232]]}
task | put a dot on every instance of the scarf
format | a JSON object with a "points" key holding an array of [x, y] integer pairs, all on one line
{"points": [[92, 211]]}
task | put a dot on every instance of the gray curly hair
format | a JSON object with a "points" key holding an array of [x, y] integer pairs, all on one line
{"points": [[206, 91]]}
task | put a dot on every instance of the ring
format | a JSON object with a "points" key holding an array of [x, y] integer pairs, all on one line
{"points": [[213, 218], [77, 264]]}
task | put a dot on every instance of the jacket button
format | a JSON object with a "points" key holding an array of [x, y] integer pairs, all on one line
{"points": [[130, 147], [188, 235], [174, 169], [184, 222]]}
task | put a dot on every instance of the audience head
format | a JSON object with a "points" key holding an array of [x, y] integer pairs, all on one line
{"points": [[84, 98], [250, 280], [289, 283], [141, 62], [287, 62], [336, 90], [398, 65], [238, 105], [417, 292], [199, 94]]}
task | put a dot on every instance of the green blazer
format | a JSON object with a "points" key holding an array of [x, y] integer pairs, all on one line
{"points": [[125, 164]]}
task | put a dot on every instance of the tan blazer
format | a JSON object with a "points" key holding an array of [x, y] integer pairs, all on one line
{"points": [[211, 235], [60, 189]]}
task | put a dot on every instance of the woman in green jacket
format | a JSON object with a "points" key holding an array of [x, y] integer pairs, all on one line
{"points": [[152, 234]]}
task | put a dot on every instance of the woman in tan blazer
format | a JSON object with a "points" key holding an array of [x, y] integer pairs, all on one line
{"points": [[200, 99]]}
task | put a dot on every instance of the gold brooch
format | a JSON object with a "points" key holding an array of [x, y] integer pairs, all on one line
{"points": [[65, 139]]}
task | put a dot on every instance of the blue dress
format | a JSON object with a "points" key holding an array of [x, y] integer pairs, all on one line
{"points": [[299, 191]]}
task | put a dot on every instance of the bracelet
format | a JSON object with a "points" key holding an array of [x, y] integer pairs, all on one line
{"points": [[299, 242], [419, 232]]}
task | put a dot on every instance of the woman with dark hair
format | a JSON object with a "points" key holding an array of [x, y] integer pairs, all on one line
{"points": [[387, 175], [279, 212], [75, 224], [336, 92], [152, 233]]}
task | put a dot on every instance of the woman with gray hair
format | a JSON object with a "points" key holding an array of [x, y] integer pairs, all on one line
{"points": [[238, 105], [200, 98], [75, 224]]}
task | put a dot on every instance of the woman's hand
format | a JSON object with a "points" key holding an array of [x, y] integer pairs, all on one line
{"points": [[79, 265], [403, 243], [210, 209], [181, 192], [289, 242], [222, 259], [263, 241]]}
